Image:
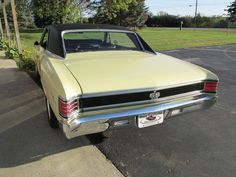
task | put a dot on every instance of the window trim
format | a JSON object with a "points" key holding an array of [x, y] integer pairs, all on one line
{"points": [[98, 30], [46, 31]]}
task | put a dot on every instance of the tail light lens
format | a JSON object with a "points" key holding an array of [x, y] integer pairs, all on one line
{"points": [[211, 86], [67, 108]]}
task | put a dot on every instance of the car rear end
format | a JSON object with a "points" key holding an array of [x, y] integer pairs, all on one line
{"points": [[140, 108], [124, 84]]}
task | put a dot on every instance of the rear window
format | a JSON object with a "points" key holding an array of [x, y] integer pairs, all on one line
{"points": [[100, 41]]}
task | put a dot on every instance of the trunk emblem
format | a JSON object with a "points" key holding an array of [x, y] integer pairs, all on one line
{"points": [[154, 95]]}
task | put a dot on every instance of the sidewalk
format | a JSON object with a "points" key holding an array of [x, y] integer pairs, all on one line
{"points": [[28, 147]]}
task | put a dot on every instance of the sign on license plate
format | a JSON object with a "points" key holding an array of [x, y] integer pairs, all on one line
{"points": [[151, 119]]}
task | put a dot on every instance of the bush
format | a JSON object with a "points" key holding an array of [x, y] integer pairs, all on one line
{"points": [[27, 62], [11, 52], [167, 20]]}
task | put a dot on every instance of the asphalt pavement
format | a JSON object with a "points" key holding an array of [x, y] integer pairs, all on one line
{"points": [[199, 144]]}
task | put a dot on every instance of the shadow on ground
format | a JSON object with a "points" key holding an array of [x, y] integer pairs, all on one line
{"points": [[24, 132]]}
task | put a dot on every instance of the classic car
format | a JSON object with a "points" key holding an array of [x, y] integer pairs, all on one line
{"points": [[100, 77]]}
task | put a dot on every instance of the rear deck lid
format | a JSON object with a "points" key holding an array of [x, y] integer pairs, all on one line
{"points": [[114, 71]]}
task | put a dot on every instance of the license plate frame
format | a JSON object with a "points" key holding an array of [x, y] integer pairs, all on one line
{"points": [[150, 119]]}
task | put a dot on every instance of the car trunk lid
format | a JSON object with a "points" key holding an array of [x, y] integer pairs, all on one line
{"points": [[114, 71]]}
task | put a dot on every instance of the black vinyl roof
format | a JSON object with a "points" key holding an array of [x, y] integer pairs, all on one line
{"points": [[55, 41], [55, 44], [63, 27]]}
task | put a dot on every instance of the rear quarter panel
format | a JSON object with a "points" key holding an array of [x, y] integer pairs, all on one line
{"points": [[57, 81]]}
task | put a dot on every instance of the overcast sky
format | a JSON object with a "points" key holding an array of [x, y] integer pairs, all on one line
{"points": [[187, 7]]}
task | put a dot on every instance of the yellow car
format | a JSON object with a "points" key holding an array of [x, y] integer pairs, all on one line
{"points": [[100, 77]]}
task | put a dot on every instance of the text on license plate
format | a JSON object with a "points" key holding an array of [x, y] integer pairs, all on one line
{"points": [[146, 120]]}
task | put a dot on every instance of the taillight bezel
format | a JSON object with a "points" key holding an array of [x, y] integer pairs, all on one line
{"points": [[72, 104], [211, 86]]}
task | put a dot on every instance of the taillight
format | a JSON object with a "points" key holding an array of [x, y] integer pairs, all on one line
{"points": [[211, 86], [67, 108]]}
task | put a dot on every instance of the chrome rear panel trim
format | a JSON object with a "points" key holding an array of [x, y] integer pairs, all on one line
{"points": [[100, 122]]}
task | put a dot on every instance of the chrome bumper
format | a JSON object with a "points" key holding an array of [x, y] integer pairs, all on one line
{"points": [[101, 122]]}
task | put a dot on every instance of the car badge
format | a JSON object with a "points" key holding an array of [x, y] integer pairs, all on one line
{"points": [[155, 95]]}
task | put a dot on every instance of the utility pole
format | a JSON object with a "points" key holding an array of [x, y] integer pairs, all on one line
{"points": [[196, 9], [5, 20], [17, 34]]}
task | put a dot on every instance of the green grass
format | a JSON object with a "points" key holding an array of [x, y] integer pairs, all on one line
{"points": [[27, 40], [169, 39], [159, 39]]}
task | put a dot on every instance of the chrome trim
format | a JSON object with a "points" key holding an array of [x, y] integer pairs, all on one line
{"points": [[53, 55], [91, 30], [78, 111], [100, 30], [140, 43], [70, 99], [98, 123], [138, 90], [143, 48], [159, 100]]}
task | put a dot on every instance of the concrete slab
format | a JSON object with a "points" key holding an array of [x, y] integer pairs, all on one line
{"points": [[28, 147], [6, 63]]}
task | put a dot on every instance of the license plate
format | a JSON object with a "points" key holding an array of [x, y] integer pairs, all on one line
{"points": [[151, 119]]}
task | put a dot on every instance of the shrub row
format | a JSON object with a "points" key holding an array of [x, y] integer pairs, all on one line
{"points": [[11, 52], [167, 20]]}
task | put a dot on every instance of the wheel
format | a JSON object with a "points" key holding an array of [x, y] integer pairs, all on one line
{"points": [[37, 73], [52, 120]]}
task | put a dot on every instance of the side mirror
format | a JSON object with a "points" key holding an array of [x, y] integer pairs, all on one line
{"points": [[36, 43]]}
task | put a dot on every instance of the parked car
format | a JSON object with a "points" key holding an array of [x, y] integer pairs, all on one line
{"points": [[100, 77]]}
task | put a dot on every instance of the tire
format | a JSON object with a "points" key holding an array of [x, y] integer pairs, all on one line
{"points": [[37, 73], [52, 120]]}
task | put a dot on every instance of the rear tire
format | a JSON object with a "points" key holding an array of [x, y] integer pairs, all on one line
{"points": [[52, 120], [37, 73]]}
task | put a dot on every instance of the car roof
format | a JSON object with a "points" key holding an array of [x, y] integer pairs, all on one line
{"points": [[75, 26], [55, 44]]}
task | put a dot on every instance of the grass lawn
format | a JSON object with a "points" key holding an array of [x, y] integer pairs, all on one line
{"points": [[161, 39], [28, 40], [169, 39]]}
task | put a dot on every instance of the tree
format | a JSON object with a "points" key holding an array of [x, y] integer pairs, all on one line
{"points": [[136, 16], [121, 12], [24, 14], [48, 12], [232, 11], [162, 13], [85, 6]]}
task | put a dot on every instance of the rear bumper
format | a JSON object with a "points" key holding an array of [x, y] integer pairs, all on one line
{"points": [[102, 122]]}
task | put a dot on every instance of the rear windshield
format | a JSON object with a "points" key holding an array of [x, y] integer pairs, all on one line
{"points": [[100, 41]]}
